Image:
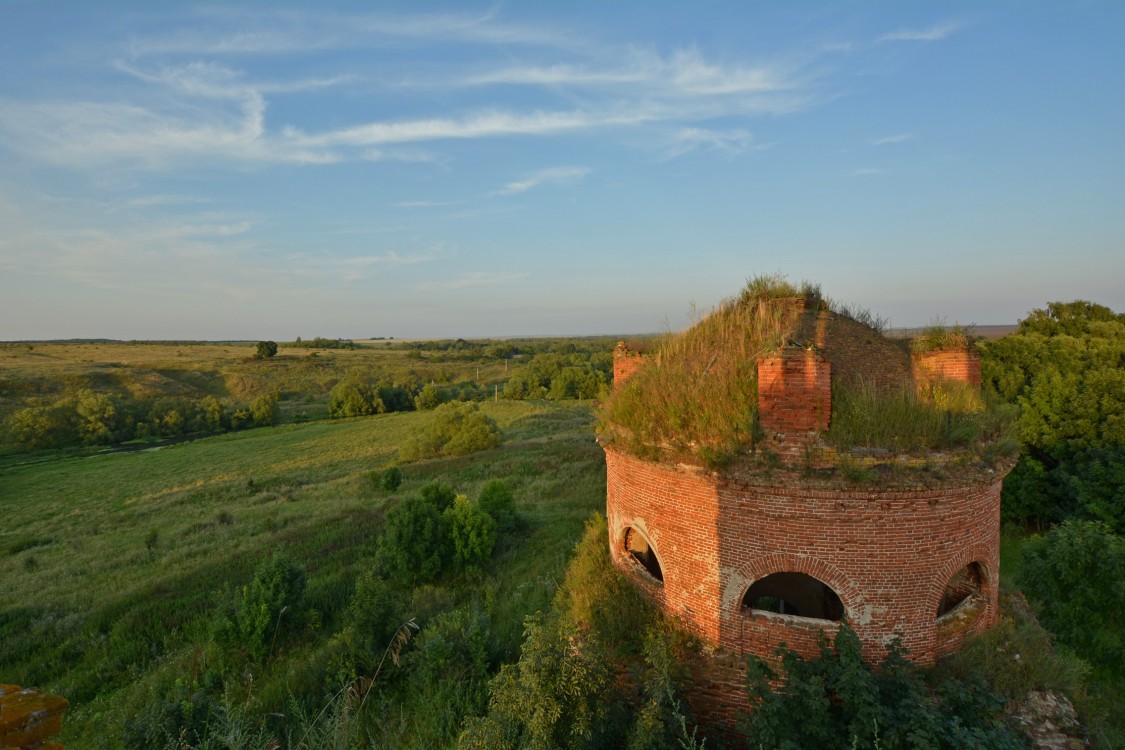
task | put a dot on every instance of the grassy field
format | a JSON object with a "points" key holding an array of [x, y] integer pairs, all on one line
{"points": [[229, 372], [113, 566]]}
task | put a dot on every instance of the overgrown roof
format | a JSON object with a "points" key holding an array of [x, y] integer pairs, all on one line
{"points": [[696, 397]]}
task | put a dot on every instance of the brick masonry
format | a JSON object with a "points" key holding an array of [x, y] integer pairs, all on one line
{"points": [[625, 363], [947, 364], [889, 552], [28, 717]]}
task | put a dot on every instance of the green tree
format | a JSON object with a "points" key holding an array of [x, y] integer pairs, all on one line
{"points": [[438, 494], [414, 546], [265, 349], [271, 605], [35, 427], [354, 397], [428, 398], [1075, 577], [99, 420], [265, 409], [390, 479], [455, 429], [472, 531], [1063, 367], [496, 499]]}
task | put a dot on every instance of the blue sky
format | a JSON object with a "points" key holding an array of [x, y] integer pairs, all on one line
{"points": [[264, 171]]}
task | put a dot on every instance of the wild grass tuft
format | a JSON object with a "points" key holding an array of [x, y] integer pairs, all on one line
{"points": [[947, 415], [698, 393], [938, 336]]}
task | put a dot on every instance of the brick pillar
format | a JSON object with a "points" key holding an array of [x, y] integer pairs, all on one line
{"points": [[625, 363], [947, 364], [794, 392], [28, 717]]}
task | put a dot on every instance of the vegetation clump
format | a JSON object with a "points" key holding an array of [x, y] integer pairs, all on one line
{"points": [[455, 429], [837, 700], [939, 337], [697, 394], [948, 415]]}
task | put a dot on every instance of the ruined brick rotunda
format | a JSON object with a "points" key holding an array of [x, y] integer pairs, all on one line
{"points": [[782, 466]]}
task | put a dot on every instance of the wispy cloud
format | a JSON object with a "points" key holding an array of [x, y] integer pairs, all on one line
{"points": [[889, 139], [686, 72], [145, 201], [932, 34], [424, 204], [292, 31], [686, 140], [491, 123], [392, 259], [551, 176], [473, 279], [180, 111]]}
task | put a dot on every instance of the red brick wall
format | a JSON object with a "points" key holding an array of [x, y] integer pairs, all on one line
{"points": [[794, 392], [955, 364], [625, 363], [888, 554]]}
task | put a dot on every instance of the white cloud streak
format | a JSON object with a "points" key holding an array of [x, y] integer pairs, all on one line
{"points": [[474, 279], [181, 112], [551, 176], [890, 139], [932, 34]]}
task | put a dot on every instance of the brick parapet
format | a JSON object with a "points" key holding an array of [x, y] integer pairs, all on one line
{"points": [[625, 363], [961, 365], [794, 392]]}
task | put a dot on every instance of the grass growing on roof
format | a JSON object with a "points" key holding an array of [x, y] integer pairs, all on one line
{"points": [[698, 394], [949, 415]]}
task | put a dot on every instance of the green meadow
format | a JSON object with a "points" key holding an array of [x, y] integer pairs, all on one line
{"points": [[115, 566]]}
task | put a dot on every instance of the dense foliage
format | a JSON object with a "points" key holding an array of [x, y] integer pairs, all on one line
{"points": [[92, 418], [601, 669], [455, 429], [1065, 368], [559, 376], [1075, 577], [839, 701]]}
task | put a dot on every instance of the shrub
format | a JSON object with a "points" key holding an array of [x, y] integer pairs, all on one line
{"points": [[428, 398], [452, 647], [264, 409], [271, 605], [496, 500], [265, 349], [354, 397], [391, 479], [575, 684], [455, 429], [438, 494], [1075, 577], [414, 546], [472, 530], [838, 701], [370, 621]]}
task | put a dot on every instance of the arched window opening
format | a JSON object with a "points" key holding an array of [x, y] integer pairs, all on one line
{"points": [[794, 594], [637, 546], [965, 583]]}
